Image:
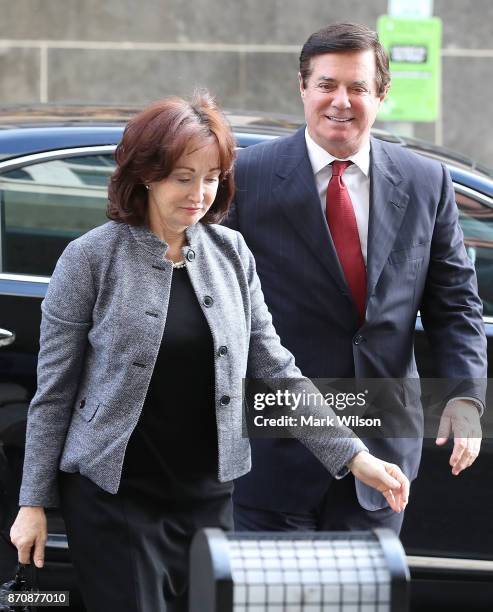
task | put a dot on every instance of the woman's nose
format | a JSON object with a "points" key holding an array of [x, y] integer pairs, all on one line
{"points": [[196, 193]]}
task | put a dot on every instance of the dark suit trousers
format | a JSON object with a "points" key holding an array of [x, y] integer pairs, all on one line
{"points": [[338, 511]]}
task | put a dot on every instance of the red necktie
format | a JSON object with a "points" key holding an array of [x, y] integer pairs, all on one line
{"points": [[344, 231]]}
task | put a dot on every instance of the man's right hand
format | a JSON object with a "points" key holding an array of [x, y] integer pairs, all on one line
{"points": [[383, 476], [30, 530]]}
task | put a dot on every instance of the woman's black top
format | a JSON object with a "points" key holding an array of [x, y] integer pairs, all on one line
{"points": [[174, 445]]}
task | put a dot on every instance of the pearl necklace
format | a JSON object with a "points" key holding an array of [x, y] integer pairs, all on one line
{"points": [[179, 264]]}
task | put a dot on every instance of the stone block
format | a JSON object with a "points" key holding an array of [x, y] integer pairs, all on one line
{"points": [[297, 20], [175, 21], [140, 76], [271, 83], [19, 75], [466, 25], [467, 92]]}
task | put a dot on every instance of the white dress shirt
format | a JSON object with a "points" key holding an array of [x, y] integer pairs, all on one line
{"points": [[356, 178]]}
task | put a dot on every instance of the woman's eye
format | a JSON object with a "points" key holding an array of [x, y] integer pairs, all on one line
{"points": [[183, 180], [212, 179]]}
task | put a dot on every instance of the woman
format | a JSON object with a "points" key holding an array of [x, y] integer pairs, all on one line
{"points": [[149, 325]]}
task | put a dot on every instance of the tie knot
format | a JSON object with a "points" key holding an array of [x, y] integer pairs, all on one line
{"points": [[338, 167]]}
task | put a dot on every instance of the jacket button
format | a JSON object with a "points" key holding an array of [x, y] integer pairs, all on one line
{"points": [[191, 255], [224, 401], [223, 350], [82, 403], [358, 339], [208, 301]]}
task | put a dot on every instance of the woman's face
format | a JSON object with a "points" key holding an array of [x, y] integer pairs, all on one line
{"points": [[185, 196]]}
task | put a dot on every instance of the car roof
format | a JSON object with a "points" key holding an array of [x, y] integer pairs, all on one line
{"points": [[38, 128], [28, 129]]}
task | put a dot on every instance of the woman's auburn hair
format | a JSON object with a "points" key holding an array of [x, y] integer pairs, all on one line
{"points": [[152, 143]]}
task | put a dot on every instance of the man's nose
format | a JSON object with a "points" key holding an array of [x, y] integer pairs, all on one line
{"points": [[341, 98]]}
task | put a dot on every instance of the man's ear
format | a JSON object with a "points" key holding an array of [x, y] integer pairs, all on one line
{"points": [[302, 87], [384, 94]]}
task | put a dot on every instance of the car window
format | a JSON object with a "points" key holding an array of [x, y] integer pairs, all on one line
{"points": [[44, 206], [476, 219]]}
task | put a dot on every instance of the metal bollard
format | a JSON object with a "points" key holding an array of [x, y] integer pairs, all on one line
{"points": [[298, 572]]}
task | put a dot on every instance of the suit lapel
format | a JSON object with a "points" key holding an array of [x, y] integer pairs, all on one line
{"points": [[388, 202], [297, 197]]}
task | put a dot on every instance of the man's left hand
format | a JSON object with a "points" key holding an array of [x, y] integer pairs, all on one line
{"points": [[461, 416]]}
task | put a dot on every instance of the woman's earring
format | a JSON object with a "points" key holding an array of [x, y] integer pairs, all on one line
{"points": [[148, 187]]}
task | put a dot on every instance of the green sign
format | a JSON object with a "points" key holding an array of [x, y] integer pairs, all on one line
{"points": [[414, 47]]}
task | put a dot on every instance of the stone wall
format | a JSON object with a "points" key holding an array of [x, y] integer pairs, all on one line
{"points": [[245, 51]]}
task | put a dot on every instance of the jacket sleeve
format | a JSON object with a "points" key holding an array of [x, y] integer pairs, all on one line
{"points": [[269, 361], [451, 310], [66, 321]]}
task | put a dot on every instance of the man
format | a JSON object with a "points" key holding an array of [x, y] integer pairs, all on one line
{"points": [[347, 254]]}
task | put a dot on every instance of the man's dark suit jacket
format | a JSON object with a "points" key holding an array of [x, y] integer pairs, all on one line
{"points": [[416, 261]]}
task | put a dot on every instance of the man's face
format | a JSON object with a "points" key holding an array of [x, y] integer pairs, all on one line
{"points": [[341, 100]]}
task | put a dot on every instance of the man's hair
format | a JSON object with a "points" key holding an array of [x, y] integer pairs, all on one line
{"points": [[340, 37], [152, 143]]}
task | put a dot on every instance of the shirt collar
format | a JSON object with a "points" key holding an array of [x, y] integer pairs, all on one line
{"points": [[320, 158]]}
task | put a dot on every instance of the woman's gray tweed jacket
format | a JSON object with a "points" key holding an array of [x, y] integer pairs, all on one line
{"points": [[103, 321]]}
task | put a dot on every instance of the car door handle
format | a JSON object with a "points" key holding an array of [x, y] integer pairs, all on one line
{"points": [[6, 337]]}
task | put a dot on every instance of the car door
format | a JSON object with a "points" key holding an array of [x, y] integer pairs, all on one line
{"points": [[46, 200]]}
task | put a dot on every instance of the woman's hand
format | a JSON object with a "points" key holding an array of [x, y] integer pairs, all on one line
{"points": [[29, 529], [385, 477]]}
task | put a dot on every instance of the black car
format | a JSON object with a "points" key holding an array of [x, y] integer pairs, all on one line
{"points": [[54, 168]]}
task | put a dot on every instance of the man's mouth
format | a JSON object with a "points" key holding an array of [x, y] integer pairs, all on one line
{"points": [[339, 119]]}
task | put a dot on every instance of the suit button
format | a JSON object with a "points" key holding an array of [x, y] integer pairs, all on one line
{"points": [[190, 255], [358, 339], [223, 350], [82, 403], [224, 401], [208, 301]]}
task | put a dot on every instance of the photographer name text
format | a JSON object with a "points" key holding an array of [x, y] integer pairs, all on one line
{"points": [[313, 421]]}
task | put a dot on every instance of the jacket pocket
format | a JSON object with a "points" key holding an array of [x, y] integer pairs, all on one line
{"points": [[87, 408], [410, 254]]}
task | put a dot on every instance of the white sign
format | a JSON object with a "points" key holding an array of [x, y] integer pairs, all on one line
{"points": [[411, 9]]}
